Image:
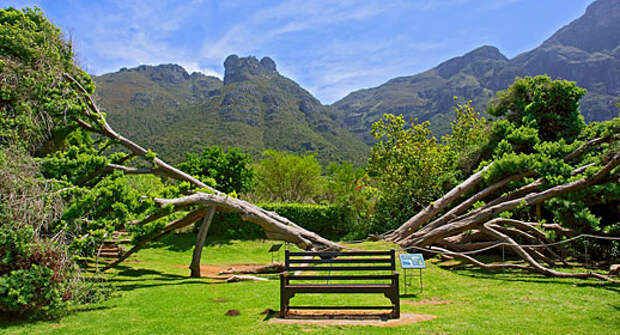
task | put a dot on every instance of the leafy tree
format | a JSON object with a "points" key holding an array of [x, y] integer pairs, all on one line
{"points": [[349, 188], [544, 179], [36, 114], [410, 167], [288, 177], [33, 270], [469, 135], [551, 107], [231, 170], [36, 106]]}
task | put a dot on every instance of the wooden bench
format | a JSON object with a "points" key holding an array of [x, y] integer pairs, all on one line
{"points": [[359, 261]]}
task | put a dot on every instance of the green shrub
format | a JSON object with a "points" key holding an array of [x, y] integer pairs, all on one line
{"points": [[325, 220], [32, 274]]}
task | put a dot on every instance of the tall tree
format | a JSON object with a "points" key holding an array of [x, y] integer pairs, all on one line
{"points": [[230, 169], [533, 175], [288, 177]]}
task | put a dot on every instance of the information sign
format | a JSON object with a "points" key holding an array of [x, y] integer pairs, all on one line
{"points": [[412, 261]]}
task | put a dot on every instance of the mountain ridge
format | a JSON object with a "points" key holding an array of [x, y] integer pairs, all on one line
{"points": [[480, 73], [253, 107]]}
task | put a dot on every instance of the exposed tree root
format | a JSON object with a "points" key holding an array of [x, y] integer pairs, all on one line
{"points": [[455, 232]]}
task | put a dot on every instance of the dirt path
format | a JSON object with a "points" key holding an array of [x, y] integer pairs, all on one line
{"points": [[227, 270], [350, 318]]}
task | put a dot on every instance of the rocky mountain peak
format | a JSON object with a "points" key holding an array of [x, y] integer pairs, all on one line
{"points": [[167, 73], [485, 52], [482, 54], [602, 19], [238, 69]]}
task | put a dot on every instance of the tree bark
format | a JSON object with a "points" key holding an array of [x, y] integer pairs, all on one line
{"points": [[431, 210], [476, 219], [172, 226], [200, 242], [275, 226]]}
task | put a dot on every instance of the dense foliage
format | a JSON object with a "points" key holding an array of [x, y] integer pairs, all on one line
{"points": [[325, 220], [231, 170], [550, 106], [289, 178], [412, 168], [33, 269], [36, 105], [38, 111], [351, 190]]}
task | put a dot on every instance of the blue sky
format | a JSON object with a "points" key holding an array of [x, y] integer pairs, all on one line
{"points": [[329, 47]]}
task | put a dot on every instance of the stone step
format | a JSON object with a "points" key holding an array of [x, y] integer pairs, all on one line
{"points": [[109, 250], [109, 255]]}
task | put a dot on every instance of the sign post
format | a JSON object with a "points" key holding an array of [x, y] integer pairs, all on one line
{"points": [[274, 248], [412, 261]]}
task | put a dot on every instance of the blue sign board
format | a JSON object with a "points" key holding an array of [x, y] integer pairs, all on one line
{"points": [[412, 261]]}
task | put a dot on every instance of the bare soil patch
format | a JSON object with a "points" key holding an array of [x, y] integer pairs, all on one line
{"points": [[350, 318], [233, 312], [432, 301], [227, 270]]}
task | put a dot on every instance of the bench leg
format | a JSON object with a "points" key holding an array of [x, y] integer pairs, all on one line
{"points": [[394, 297]]}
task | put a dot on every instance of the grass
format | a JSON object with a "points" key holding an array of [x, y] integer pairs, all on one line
{"points": [[155, 297]]}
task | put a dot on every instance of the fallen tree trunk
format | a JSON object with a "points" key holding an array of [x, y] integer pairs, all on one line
{"points": [[274, 225], [435, 207], [455, 232], [200, 242], [476, 219]]}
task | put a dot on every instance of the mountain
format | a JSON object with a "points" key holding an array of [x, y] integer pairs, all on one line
{"points": [[254, 107], [586, 51]]}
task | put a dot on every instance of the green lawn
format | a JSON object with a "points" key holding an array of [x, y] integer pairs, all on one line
{"points": [[154, 297]]}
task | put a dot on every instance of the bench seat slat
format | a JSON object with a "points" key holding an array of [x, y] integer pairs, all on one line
{"points": [[351, 277], [338, 285], [339, 289], [339, 268], [340, 254], [346, 260], [340, 307]]}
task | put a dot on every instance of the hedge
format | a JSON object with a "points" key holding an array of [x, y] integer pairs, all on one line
{"points": [[325, 220]]}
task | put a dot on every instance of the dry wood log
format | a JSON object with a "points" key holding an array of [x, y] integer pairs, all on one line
{"points": [[274, 225], [236, 278], [431, 210], [200, 242], [474, 220], [172, 226]]}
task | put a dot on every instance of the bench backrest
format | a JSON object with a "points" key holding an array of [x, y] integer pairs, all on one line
{"points": [[340, 261]]}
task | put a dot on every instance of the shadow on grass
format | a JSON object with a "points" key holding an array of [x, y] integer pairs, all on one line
{"points": [[7, 321], [129, 279], [132, 286], [132, 272], [408, 295], [515, 275], [186, 241]]}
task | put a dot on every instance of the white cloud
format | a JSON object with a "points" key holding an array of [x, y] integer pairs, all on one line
{"points": [[195, 67], [291, 16]]}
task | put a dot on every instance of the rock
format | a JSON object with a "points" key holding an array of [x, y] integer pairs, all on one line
{"points": [[268, 64], [233, 312], [238, 69]]}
